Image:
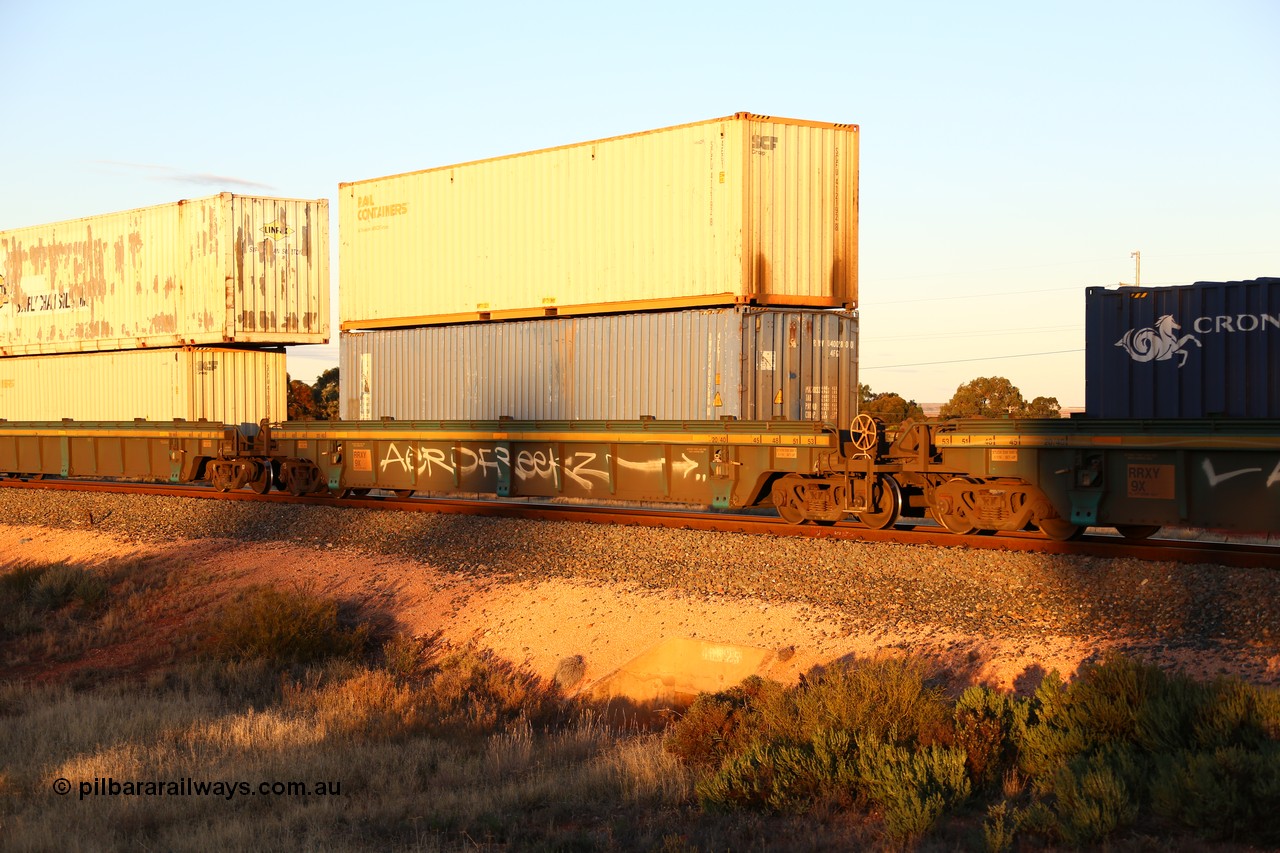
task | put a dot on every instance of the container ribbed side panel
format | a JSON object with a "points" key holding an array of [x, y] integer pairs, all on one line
{"points": [[1206, 350], [682, 365], [734, 210], [224, 269], [222, 385]]}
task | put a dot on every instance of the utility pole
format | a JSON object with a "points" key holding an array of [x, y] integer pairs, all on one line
{"points": [[1137, 268]]}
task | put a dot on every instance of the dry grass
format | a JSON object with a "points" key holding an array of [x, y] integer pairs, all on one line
{"points": [[422, 746], [429, 747]]}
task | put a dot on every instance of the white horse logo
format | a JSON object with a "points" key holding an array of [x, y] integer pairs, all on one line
{"points": [[1157, 343]]}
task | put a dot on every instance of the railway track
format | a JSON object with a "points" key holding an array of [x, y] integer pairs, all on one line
{"points": [[1097, 544]]}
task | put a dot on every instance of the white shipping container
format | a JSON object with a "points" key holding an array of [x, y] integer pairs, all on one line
{"points": [[223, 269], [745, 209], [223, 385], [700, 364]]}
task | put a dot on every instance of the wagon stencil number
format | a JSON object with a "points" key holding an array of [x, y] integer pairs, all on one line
{"points": [[1156, 482]]}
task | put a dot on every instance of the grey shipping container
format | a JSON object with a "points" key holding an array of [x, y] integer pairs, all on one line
{"points": [[217, 384], [682, 365], [1210, 349], [211, 271]]}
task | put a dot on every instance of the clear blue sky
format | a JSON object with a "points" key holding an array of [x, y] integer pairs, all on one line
{"points": [[1013, 153]]}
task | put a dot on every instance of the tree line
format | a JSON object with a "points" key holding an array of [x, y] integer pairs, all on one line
{"points": [[317, 402], [984, 397]]}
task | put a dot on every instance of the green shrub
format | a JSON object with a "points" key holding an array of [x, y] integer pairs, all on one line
{"points": [[282, 628], [912, 786], [1092, 799], [998, 829], [1230, 793], [986, 723], [1112, 705], [882, 698], [783, 777], [719, 725], [1233, 713]]}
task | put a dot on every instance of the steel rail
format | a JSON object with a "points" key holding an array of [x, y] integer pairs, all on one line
{"points": [[1239, 555]]}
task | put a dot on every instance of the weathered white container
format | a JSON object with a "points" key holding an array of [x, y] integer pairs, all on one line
{"points": [[223, 269], [751, 363], [224, 385], [745, 209]]}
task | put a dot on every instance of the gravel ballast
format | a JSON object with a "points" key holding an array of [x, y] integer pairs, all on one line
{"points": [[1141, 607]]}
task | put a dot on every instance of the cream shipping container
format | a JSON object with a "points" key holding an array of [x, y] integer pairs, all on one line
{"points": [[223, 269], [745, 209], [225, 385], [696, 364]]}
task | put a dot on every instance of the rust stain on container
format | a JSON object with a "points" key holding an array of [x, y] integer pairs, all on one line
{"points": [[740, 209], [69, 281]]}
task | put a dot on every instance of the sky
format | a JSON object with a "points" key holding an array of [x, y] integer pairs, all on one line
{"points": [[1012, 153]]}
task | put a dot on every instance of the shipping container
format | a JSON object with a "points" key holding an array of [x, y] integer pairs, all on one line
{"points": [[1210, 349], [223, 269], [751, 363], [745, 209], [224, 385]]}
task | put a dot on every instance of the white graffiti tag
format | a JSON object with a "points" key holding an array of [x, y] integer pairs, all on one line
{"points": [[543, 464], [424, 459], [583, 468], [1215, 478]]}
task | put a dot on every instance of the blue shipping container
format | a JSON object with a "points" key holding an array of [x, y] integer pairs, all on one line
{"points": [[1210, 349]]}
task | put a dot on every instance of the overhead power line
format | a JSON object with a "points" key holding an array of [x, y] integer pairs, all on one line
{"points": [[923, 364]]}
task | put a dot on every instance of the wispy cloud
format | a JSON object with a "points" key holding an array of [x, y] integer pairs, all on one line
{"points": [[154, 172]]}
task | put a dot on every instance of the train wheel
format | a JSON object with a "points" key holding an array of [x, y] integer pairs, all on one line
{"points": [[946, 509], [354, 493], [300, 477], [787, 502], [220, 476], [952, 522], [1137, 531], [261, 484], [1058, 528], [886, 504], [402, 494]]}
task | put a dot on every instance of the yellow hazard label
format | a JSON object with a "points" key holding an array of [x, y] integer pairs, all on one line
{"points": [[1156, 482], [717, 401], [777, 398]]}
